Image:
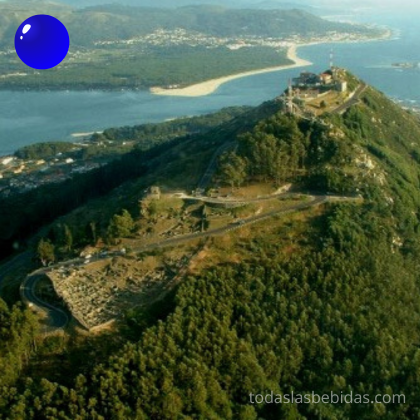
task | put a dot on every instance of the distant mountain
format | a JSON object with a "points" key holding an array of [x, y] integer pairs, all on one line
{"points": [[269, 4], [113, 22], [280, 4], [150, 3], [315, 6]]}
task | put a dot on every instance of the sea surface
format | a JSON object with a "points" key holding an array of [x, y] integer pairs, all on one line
{"points": [[31, 117]]}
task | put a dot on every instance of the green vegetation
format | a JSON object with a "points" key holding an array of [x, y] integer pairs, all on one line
{"points": [[319, 321], [214, 20], [117, 22], [137, 70], [109, 49], [282, 148], [109, 144], [45, 252], [324, 301], [58, 244], [120, 226], [233, 169], [18, 329], [44, 150], [148, 135], [27, 212]]}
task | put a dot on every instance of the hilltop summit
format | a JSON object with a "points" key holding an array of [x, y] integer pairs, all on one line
{"points": [[294, 268]]}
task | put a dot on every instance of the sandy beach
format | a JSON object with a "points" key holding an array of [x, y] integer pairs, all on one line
{"points": [[210, 86]]}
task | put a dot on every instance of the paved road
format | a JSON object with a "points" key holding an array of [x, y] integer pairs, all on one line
{"points": [[185, 238], [206, 178], [283, 192], [58, 318], [352, 101]]}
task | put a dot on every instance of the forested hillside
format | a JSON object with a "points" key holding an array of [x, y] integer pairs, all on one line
{"points": [[116, 46], [323, 301], [116, 22], [48, 202]]}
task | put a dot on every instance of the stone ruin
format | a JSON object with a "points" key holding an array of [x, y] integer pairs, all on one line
{"points": [[101, 292]]}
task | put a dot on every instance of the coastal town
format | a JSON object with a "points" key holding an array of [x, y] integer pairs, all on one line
{"points": [[19, 174], [308, 95], [182, 37]]}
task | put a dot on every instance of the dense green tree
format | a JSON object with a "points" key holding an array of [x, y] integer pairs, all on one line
{"points": [[44, 150], [121, 225], [68, 238], [329, 304], [233, 169], [45, 251], [18, 328], [91, 233]]}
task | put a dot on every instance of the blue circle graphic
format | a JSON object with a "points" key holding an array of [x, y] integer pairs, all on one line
{"points": [[42, 42]]}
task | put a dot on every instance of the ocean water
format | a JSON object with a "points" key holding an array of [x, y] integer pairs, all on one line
{"points": [[372, 61], [30, 117]]}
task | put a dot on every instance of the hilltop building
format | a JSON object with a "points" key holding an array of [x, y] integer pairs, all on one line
{"points": [[319, 83], [308, 87]]}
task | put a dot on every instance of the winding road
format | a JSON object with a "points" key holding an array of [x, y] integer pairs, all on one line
{"points": [[352, 101], [58, 319]]}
